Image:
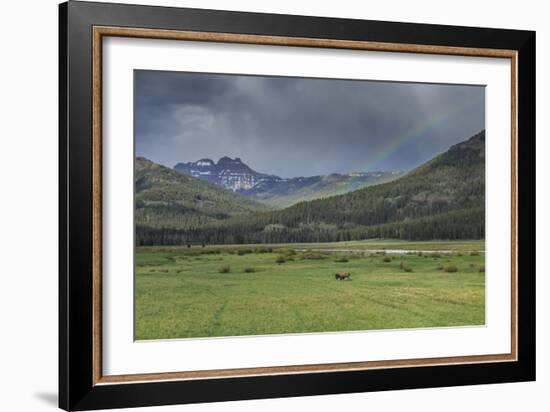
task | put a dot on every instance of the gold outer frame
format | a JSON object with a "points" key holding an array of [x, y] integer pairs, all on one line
{"points": [[101, 31]]}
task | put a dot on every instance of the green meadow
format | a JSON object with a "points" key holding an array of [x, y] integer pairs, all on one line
{"points": [[190, 292]]}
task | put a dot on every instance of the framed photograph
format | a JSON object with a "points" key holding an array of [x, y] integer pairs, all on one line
{"points": [[257, 205]]}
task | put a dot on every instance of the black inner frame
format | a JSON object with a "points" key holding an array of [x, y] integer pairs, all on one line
{"points": [[76, 388]]}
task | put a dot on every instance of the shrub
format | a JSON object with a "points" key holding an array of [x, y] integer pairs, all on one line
{"points": [[482, 269], [386, 259], [287, 251], [474, 253], [280, 259], [439, 267], [404, 267], [312, 255], [450, 269], [341, 259], [224, 269], [435, 255], [193, 252], [241, 252], [249, 270]]}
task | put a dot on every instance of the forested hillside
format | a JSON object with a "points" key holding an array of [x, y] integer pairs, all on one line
{"points": [[168, 199], [442, 199]]}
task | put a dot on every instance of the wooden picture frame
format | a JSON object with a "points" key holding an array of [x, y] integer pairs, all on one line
{"points": [[83, 26]]}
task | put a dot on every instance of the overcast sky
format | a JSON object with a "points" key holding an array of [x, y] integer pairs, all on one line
{"points": [[300, 127]]}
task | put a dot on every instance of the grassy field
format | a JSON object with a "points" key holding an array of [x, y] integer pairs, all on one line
{"points": [[272, 289]]}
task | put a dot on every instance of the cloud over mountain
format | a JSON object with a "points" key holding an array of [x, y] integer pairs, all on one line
{"points": [[301, 127]]}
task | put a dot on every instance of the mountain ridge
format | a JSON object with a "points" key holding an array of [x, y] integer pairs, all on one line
{"points": [[276, 191]]}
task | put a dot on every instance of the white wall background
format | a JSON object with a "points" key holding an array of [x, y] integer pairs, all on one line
{"points": [[28, 203]]}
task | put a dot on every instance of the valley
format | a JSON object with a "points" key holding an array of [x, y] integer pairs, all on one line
{"points": [[443, 198], [270, 205]]}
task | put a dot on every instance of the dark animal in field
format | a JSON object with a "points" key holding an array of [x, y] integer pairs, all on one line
{"points": [[342, 275]]}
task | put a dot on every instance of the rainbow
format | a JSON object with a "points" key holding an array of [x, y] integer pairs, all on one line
{"points": [[411, 136]]}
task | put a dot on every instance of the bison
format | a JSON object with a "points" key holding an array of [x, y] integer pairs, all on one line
{"points": [[342, 275]]}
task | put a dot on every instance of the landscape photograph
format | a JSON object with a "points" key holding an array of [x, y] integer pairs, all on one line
{"points": [[285, 205]]}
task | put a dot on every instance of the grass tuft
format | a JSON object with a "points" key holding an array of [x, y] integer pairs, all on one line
{"points": [[312, 256], [263, 249], [225, 269]]}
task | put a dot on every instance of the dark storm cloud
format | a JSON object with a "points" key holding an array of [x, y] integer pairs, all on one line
{"points": [[300, 127]]}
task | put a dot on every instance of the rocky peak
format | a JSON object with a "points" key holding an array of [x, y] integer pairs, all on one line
{"points": [[227, 161], [230, 173]]}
